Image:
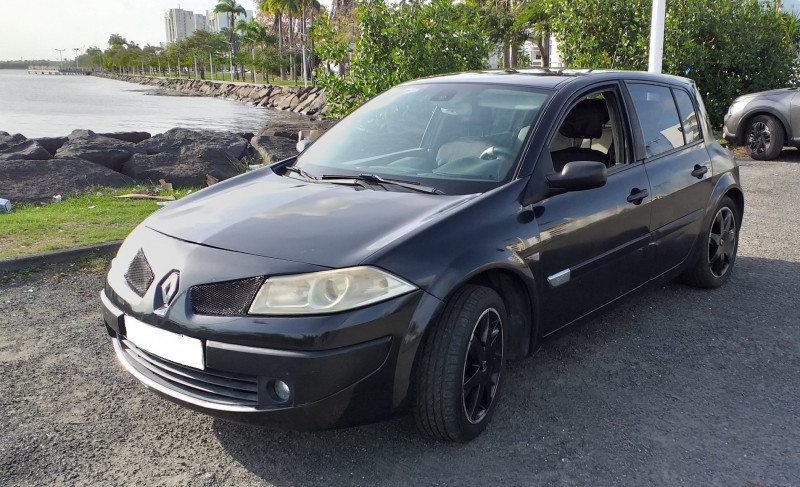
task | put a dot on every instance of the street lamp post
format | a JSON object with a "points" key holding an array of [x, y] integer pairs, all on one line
{"points": [[76, 56], [61, 57]]}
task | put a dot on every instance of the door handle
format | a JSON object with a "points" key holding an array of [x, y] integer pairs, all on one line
{"points": [[638, 195], [699, 171]]}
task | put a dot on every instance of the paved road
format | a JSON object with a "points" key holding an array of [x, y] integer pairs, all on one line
{"points": [[674, 387]]}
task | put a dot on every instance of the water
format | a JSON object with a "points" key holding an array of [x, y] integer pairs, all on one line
{"points": [[37, 105]]}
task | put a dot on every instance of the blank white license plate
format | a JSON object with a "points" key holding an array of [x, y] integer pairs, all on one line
{"points": [[167, 345]]}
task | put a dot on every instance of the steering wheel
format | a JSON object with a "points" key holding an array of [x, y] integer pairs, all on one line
{"points": [[497, 151]]}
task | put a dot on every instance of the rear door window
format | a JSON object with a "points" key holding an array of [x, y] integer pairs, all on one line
{"points": [[658, 118]]}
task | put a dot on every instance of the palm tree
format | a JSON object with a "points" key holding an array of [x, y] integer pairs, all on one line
{"points": [[277, 8], [311, 6], [252, 34], [233, 10]]}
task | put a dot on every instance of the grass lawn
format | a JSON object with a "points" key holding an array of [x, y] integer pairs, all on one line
{"points": [[88, 219]]}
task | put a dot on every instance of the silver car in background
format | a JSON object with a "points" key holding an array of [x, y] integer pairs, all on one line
{"points": [[764, 122]]}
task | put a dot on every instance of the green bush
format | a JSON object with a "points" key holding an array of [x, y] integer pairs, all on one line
{"points": [[396, 43]]}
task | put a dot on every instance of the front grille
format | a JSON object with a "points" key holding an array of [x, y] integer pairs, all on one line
{"points": [[209, 385], [230, 298], [139, 275]]}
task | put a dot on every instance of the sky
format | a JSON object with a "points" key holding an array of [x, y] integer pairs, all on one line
{"points": [[35, 29]]}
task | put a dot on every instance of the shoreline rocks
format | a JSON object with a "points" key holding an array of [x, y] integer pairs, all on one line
{"points": [[304, 100], [33, 170]]}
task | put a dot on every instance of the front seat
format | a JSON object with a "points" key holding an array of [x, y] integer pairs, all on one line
{"points": [[584, 121]]}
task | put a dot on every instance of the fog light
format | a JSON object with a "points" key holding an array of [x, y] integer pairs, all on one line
{"points": [[281, 390]]}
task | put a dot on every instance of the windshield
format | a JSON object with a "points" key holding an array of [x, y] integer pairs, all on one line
{"points": [[458, 138]]}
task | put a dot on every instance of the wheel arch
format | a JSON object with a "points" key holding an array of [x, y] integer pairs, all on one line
{"points": [[727, 185], [769, 111], [520, 300]]}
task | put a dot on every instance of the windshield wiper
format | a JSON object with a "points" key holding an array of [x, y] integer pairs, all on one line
{"points": [[374, 178], [301, 172]]}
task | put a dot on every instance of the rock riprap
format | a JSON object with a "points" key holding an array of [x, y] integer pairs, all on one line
{"points": [[34, 170]]}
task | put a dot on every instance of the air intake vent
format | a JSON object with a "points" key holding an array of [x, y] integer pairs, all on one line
{"points": [[139, 275], [230, 298]]}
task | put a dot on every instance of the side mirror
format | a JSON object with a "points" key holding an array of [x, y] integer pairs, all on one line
{"points": [[578, 176], [302, 144]]}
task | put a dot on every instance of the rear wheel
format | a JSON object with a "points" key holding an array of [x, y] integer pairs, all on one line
{"points": [[764, 137], [460, 367], [716, 252]]}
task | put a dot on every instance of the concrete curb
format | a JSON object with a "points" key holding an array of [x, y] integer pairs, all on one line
{"points": [[104, 249]]}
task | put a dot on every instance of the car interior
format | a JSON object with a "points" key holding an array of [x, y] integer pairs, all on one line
{"points": [[589, 133]]}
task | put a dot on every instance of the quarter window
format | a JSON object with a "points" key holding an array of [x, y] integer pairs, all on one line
{"points": [[658, 118], [691, 130]]}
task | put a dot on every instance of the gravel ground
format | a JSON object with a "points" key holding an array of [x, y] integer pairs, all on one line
{"points": [[674, 387]]}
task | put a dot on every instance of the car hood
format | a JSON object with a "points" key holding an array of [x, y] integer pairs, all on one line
{"points": [[318, 223], [767, 94]]}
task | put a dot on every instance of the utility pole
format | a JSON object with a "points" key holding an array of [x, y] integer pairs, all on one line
{"points": [[656, 37], [76, 56]]}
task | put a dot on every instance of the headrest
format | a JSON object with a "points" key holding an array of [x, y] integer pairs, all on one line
{"points": [[585, 120]]}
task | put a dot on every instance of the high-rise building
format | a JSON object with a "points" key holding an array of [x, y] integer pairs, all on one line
{"points": [[218, 20], [179, 24]]}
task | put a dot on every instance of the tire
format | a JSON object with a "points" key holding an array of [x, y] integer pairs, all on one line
{"points": [[716, 251], [460, 368], [764, 138]]}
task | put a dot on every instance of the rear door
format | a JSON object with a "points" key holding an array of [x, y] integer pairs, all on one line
{"points": [[674, 154]]}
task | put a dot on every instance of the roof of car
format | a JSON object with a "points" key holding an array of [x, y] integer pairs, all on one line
{"points": [[550, 78]]}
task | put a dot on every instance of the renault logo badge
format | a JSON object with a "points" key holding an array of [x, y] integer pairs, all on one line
{"points": [[169, 288]]}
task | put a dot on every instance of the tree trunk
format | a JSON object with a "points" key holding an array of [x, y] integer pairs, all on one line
{"points": [[279, 20], [291, 45], [544, 50]]}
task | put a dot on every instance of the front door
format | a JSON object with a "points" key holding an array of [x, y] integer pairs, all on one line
{"points": [[593, 243]]}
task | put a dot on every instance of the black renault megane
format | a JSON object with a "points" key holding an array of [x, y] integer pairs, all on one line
{"points": [[443, 228]]}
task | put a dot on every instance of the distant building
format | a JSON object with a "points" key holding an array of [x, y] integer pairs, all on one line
{"points": [[181, 24], [218, 21]]}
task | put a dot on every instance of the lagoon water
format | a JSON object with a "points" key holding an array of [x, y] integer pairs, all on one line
{"points": [[38, 105]]}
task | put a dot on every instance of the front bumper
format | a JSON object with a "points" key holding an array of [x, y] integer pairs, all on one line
{"points": [[342, 368], [729, 127], [329, 388]]}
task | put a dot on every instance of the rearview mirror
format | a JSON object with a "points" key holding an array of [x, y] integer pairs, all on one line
{"points": [[579, 176]]}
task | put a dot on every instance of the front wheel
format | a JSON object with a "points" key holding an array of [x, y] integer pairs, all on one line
{"points": [[460, 367], [764, 138], [716, 252]]}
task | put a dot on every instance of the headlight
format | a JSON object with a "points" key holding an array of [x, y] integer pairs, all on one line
{"points": [[327, 291], [737, 105]]}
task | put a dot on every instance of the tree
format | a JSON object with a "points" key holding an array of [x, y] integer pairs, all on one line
{"points": [[253, 35], [233, 10], [496, 19], [275, 7], [397, 43], [534, 21]]}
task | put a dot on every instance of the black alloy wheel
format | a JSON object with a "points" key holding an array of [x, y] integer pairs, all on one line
{"points": [[722, 242], [460, 366], [716, 252], [482, 366], [764, 138]]}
